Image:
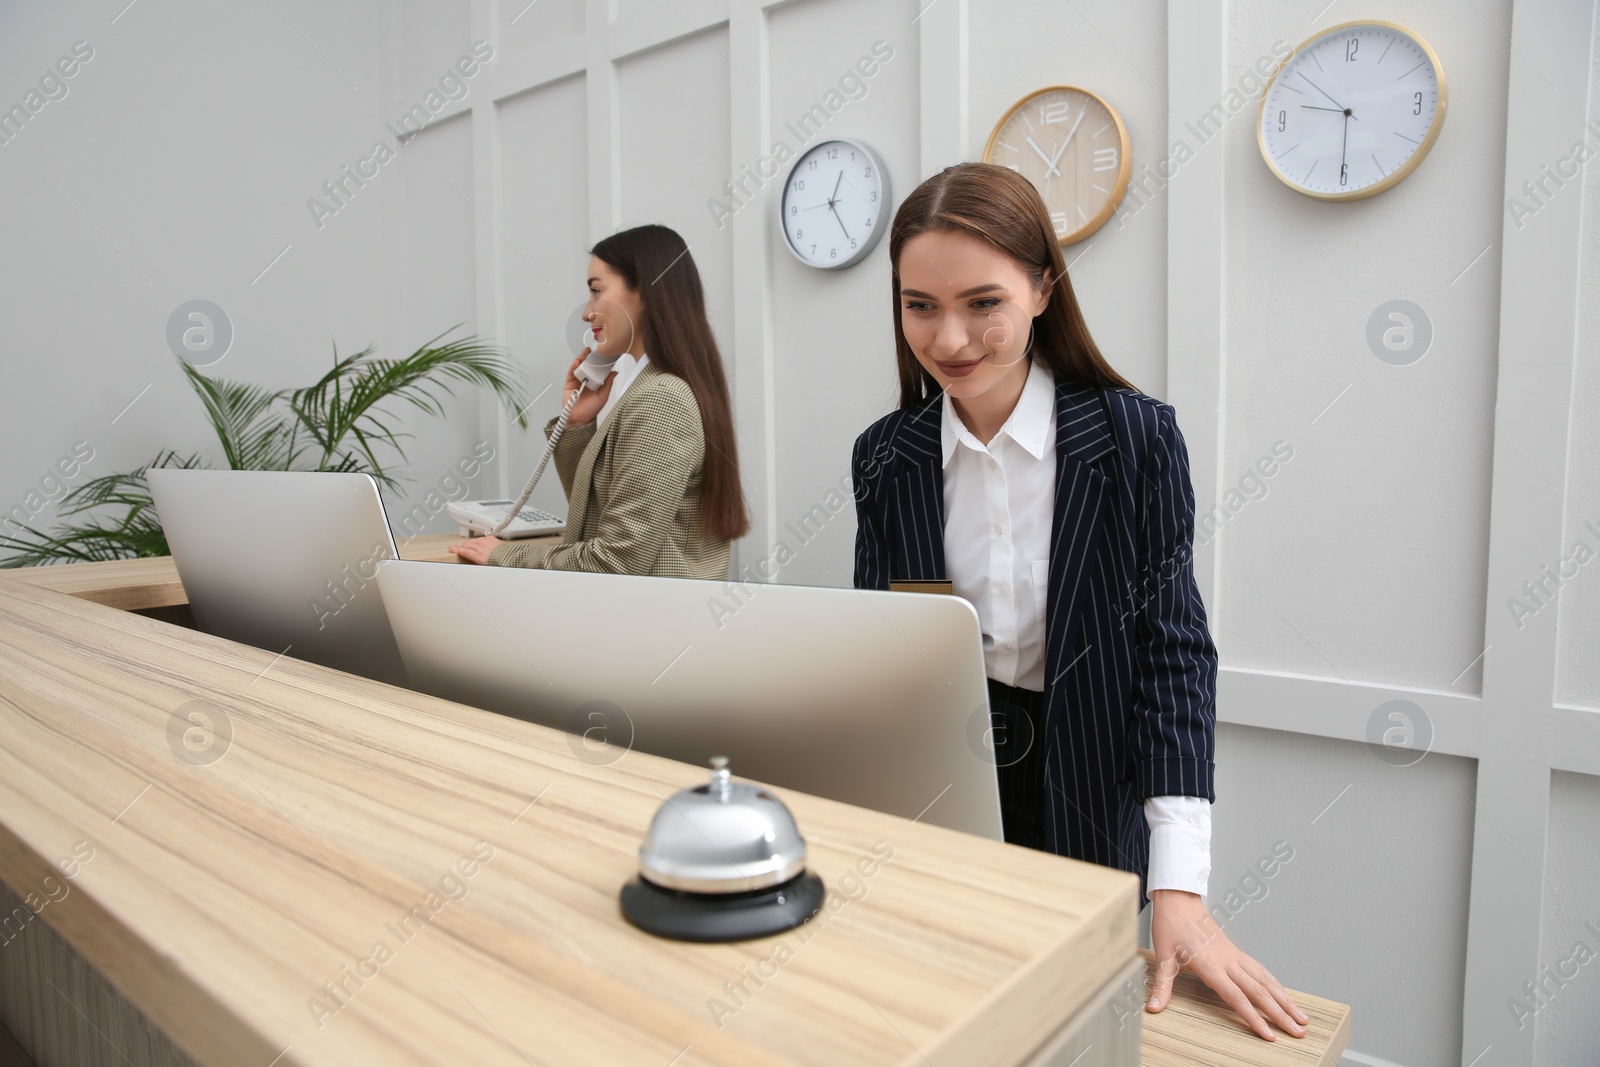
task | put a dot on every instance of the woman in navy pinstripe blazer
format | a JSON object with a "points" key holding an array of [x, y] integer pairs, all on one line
{"points": [[1027, 472]]}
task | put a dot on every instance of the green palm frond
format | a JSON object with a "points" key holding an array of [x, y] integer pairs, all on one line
{"points": [[86, 543], [126, 488], [253, 436], [342, 411], [137, 533]]}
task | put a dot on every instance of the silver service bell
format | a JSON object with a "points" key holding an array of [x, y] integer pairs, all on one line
{"points": [[722, 861]]}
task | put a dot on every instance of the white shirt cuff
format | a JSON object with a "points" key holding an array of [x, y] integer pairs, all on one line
{"points": [[1180, 844]]}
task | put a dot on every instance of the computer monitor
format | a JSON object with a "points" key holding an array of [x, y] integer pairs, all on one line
{"points": [[876, 699], [285, 561]]}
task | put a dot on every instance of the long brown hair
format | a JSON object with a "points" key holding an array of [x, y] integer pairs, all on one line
{"points": [[1001, 208], [678, 339]]}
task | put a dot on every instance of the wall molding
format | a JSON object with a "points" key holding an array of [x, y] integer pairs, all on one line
{"points": [[1539, 275]]}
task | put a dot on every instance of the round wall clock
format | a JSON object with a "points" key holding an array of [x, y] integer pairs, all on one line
{"points": [[835, 204], [1074, 148], [1353, 111]]}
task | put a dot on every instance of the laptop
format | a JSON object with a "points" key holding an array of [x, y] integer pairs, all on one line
{"points": [[284, 561], [872, 698]]}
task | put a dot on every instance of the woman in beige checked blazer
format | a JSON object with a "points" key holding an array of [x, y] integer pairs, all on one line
{"points": [[652, 478]]}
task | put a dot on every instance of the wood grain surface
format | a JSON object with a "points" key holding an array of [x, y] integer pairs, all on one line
{"points": [[1196, 1027], [138, 584], [289, 882]]}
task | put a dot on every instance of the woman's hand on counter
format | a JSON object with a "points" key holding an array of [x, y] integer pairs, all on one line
{"points": [[477, 549], [1186, 937]]}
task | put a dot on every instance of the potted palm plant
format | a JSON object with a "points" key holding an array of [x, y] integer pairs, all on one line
{"points": [[345, 421]]}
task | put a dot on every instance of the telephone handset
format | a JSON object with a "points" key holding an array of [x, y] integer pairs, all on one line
{"points": [[594, 371], [591, 374]]}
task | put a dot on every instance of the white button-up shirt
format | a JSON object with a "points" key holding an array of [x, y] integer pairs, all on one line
{"points": [[998, 507], [627, 369], [999, 501]]}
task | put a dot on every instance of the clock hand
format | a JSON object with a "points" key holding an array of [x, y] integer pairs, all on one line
{"points": [[1068, 141], [1048, 164], [1319, 89], [1344, 142], [1314, 107], [841, 221], [833, 197]]}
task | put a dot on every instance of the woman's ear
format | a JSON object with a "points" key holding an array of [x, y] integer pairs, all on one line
{"points": [[1041, 297]]}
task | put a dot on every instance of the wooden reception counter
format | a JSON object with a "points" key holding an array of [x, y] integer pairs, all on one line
{"points": [[214, 854]]}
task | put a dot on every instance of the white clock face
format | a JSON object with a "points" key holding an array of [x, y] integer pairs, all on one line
{"points": [[1352, 112], [1074, 149], [835, 204]]}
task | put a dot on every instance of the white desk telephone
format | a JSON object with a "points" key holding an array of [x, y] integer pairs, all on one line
{"points": [[477, 518], [511, 520]]}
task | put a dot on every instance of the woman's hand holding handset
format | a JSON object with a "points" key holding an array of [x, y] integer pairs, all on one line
{"points": [[589, 404]]}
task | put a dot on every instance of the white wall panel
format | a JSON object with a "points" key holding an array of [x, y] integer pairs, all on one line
{"points": [[536, 41], [1363, 558], [1561, 1006], [1578, 669], [543, 252], [435, 35], [683, 14], [674, 137], [537, 29], [1372, 908], [439, 287], [832, 332]]}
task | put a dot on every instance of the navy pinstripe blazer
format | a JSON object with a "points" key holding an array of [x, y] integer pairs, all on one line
{"points": [[1130, 667]]}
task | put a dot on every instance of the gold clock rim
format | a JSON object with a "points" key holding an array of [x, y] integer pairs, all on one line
{"points": [[1125, 150], [1409, 165]]}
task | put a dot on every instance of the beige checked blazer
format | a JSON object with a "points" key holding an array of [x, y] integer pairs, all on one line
{"points": [[633, 491]]}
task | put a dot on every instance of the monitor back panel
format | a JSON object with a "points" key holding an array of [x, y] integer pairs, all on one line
{"points": [[876, 699], [284, 560]]}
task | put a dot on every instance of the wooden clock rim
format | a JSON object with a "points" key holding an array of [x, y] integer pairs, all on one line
{"points": [[1125, 152], [881, 221], [1409, 165]]}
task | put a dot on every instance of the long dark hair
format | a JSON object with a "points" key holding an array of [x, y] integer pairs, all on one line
{"points": [[1001, 208], [678, 339]]}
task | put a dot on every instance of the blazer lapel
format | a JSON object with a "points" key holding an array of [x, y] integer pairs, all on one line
{"points": [[917, 495], [583, 477], [1082, 491]]}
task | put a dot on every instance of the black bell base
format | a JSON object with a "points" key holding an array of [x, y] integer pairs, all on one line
{"points": [[684, 916]]}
